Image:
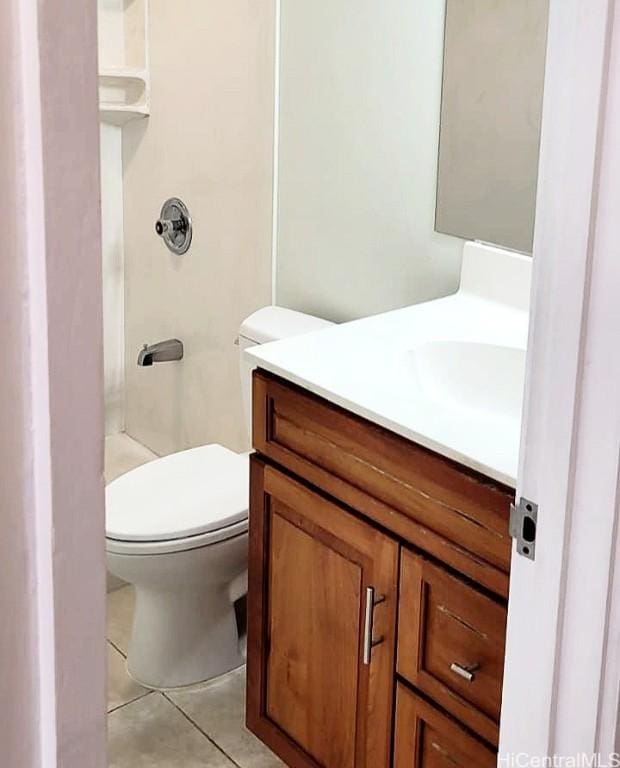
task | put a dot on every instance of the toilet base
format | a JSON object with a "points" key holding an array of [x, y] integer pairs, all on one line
{"points": [[182, 638], [184, 624]]}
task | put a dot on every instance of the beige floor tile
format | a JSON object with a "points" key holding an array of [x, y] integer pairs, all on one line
{"points": [[120, 615], [151, 733], [123, 453], [121, 688], [219, 709]]}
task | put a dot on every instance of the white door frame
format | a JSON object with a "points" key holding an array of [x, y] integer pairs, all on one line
{"points": [[562, 673], [52, 552], [561, 680]]}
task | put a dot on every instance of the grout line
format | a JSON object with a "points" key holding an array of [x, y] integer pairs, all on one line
{"points": [[204, 733], [120, 706], [116, 648]]}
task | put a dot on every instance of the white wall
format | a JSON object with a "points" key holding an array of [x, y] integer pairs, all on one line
{"points": [[359, 131], [113, 276]]}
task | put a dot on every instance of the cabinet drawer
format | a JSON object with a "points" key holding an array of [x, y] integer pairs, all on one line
{"points": [[451, 640], [427, 739], [327, 445]]}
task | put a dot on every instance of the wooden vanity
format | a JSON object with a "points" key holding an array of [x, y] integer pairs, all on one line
{"points": [[378, 581]]}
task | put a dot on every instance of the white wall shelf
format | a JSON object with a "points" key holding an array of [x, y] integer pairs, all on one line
{"points": [[124, 82], [123, 95], [120, 115]]}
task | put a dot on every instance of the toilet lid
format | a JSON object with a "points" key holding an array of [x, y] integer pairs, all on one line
{"points": [[185, 494]]}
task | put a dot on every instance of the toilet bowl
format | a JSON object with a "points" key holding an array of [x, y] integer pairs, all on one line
{"points": [[177, 529]]}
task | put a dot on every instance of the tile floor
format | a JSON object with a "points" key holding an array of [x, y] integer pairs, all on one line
{"points": [[197, 727], [123, 453]]}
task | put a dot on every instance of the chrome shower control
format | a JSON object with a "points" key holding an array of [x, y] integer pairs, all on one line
{"points": [[174, 226]]}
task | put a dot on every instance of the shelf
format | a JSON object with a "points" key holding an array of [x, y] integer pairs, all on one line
{"points": [[120, 115], [124, 84], [121, 74], [123, 95]]}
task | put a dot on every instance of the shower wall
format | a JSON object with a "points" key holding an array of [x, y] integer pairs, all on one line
{"points": [[113, 278], [110, 50], [209, 141]]}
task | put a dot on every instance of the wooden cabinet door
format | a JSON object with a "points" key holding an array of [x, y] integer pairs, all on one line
{"points": [[321, 581], [427, 739]]}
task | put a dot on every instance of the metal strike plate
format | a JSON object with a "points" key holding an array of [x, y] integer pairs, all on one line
{"points": [[523, 525]]}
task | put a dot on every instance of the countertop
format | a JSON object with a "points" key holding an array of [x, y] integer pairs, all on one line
{"points": [[368, 366]]}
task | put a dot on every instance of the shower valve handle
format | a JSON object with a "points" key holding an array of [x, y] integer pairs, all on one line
{"points": [[170, 226], [174, 225]]}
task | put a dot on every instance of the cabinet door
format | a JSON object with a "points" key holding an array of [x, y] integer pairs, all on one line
{"points": [[427, 739], [321, 628]]}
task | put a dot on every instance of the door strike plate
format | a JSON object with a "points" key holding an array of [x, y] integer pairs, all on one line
{"points": [[523, 524]]}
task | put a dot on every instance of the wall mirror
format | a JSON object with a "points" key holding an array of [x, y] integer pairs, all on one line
{"points": [[493, 78]]}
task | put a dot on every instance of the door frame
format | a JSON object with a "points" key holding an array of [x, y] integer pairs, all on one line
{"points": [[562, 659], [569, 462], [51, 483]]}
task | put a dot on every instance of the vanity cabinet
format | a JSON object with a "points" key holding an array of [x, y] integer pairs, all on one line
{"points": [[378, 579]]}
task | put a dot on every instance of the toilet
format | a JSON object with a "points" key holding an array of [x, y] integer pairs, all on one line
{"points": [[177, 529]]}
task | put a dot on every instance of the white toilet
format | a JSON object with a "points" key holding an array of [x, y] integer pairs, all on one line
{"points": [[177, 530]]}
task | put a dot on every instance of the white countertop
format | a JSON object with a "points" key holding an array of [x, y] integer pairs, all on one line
{"points": [[377, 367]]}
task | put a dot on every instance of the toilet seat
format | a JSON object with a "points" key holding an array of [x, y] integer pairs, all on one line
{"points": [[183, 501], [114, 546]]}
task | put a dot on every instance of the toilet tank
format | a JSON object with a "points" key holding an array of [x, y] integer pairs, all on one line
{"points": [[265, 325]]}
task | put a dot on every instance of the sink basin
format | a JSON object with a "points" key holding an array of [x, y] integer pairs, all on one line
{"points": [[477, 380]]}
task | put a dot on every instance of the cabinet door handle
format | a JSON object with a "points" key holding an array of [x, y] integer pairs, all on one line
{"points": [[467, 673], [369, 615]]}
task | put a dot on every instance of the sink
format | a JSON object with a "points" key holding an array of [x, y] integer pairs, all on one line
{"points": [[447, 374], [473, 379]]}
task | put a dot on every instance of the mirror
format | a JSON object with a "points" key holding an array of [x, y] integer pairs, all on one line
{"points": [[494, 64]]}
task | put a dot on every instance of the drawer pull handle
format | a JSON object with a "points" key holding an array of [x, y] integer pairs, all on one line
{"points": [[369, 616], [467, 673]]}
